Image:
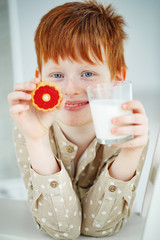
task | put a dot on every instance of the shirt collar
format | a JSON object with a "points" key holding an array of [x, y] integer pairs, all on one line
{"points": [[66, 149]]}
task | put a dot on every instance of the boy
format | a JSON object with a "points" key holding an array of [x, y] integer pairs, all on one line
{"points": [[75, 184]]}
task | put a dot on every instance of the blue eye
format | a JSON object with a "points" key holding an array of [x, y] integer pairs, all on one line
{"points": [[87, 74], [57, 75]]}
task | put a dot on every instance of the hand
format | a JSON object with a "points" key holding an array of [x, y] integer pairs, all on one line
{"points": [[34, 124], [135, 124]]}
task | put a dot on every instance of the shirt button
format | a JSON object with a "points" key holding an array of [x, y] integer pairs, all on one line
{"points": [[112, 188], [53, 184], [133, 188], [70, 149]]}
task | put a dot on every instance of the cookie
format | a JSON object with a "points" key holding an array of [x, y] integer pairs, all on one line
{"points": [[46, 97]]}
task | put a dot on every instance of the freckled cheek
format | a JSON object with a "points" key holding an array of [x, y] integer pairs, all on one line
{"points": [[86, 85], [61, 86]]}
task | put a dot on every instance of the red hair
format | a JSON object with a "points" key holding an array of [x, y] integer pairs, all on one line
{"points": [[76, 29]]}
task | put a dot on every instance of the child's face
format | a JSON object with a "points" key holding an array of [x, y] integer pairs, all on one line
{"points": [[73, 79]]}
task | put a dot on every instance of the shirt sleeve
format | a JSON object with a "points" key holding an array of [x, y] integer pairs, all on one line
{"points": [[107, 205], [52, 199]]}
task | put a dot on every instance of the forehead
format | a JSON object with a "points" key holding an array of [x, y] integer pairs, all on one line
{"points": [[72, 64]]}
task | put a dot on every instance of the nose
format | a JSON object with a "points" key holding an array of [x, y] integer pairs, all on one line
{"points": [[71, 88]]}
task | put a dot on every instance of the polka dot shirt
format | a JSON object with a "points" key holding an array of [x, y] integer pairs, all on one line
{"points": [[85, 200]]}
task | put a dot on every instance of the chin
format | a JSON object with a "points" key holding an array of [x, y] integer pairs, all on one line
{"points": [[74, 120], [74, 123]]}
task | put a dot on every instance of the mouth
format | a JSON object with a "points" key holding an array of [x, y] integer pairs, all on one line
{"points": [[75, 105]]}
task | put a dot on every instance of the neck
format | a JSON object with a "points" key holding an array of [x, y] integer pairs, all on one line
{"points": [[79, 135]]}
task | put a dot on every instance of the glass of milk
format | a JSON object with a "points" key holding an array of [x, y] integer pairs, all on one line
{"points": [[106, 101]]}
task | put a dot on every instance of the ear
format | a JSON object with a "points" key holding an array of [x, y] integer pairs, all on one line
{"points": [[121, 76], [37, 73]]}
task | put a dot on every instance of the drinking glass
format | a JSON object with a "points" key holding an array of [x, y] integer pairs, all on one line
{"points": [[106, 101]]}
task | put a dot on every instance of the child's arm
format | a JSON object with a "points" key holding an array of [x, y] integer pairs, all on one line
{"points": [[125, 165], [115, 186], [40, 150], [107, 206], [52, 199]]}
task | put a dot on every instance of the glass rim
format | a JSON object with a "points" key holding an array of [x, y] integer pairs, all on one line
{"points": [[109, 83]]}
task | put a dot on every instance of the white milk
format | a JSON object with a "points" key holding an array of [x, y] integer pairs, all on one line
{"points": [[102, 113]]}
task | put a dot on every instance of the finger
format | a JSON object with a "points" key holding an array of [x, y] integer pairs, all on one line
{"points": [[26, 86], [134, 105], [135, 130], [18, 108], [136, 118], [14, 97], [136, 142], [35, 80]]}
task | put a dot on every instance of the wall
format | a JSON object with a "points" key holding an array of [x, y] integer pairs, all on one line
{"points": [[8, 167]]}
